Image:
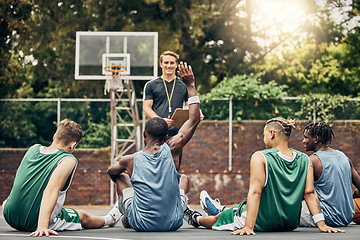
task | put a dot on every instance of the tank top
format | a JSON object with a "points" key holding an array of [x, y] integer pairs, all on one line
{"points": [[22, 207], [334, 188], [280, 202], [156, 205]]}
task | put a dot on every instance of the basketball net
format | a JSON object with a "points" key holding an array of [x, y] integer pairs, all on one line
{"points": [[114, 78]]}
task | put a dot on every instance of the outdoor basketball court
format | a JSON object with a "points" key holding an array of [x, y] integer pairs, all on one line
{"points": [[186, 232], [118, 58]]}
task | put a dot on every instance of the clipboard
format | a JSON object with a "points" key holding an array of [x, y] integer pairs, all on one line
{"points": [[180, 116]]}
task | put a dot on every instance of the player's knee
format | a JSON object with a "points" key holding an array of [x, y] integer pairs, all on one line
{"points": [[82, 215], [124, 178]]}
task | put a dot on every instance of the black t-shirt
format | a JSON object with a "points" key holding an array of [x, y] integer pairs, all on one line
{"points": [[155, 90]]}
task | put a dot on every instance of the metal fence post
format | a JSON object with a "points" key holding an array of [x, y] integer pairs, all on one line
{"points": [[58, 110], [230, 133]]}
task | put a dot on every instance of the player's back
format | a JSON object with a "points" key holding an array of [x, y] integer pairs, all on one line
{"points": [[21, 209], [156, 204], [334, 188]]}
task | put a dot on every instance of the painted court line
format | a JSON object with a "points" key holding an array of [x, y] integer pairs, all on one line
{"points": [[78, 237]]}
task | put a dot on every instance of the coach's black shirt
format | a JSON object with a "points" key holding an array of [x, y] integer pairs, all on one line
{"points": [[154, 89]]}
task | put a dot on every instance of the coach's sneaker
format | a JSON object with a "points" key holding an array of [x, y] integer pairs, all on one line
{"points": [[190, 216], [115, 214], [211, 206]]}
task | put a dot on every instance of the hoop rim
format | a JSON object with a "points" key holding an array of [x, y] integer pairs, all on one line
{"points": [[119, 70]]}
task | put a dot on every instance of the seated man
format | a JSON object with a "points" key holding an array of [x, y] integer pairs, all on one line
{"points": [[42, 180], [151, 191], [334, 174], [280, 178]]}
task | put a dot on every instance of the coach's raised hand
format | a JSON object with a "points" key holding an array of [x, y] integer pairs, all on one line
{"points": [[186, 74]]}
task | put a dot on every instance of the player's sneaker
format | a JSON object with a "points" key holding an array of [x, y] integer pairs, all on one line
{"points": [[190, 216], [210, 206], [115, 214], [125, 222]]}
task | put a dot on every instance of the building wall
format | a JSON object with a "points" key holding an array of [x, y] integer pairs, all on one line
{"points": [[205, 161]]}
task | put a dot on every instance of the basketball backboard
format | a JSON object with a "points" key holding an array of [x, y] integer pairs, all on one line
{"points": [[137, 51]]}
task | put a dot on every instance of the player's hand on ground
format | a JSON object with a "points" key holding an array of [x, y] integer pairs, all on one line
{"points": [[327, 229], [244, 231], [185, 73], [169, 121], [43, 232]]}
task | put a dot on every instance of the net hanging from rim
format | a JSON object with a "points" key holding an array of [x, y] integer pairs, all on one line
{"points": [[114, 78]]}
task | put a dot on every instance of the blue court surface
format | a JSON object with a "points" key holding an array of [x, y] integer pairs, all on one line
{"points": [[186, 232]]}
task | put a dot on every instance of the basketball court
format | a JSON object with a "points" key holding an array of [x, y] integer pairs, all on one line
{"points": [[185, 232]]}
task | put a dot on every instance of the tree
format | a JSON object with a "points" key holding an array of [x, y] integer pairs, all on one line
{"points": [[249, 94], [13, 16]]}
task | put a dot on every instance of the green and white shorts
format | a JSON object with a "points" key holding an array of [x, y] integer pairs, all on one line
{"points": [[306, 217], [67, 219], [232, 218]]}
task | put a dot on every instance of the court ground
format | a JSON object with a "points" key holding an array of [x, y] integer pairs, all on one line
{"points": [[186, 232]]}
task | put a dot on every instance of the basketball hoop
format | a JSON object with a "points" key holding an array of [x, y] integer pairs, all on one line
{"points": [[114, 78]]}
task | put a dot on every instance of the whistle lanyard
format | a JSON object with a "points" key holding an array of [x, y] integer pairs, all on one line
{"points": [[171, 95]]}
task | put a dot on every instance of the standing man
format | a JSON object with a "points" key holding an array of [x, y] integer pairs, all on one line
{"points": [[280, 177], [36, 200], [166, 93], [151, 191], [334, 174]]}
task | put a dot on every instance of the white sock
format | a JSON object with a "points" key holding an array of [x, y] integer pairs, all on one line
{"points": [[197, 219], [108, 219]]}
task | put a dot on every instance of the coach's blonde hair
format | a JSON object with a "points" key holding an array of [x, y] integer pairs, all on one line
{"points": [[176, 56]]}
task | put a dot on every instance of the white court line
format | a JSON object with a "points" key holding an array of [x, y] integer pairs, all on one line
{"points": [[79, 237]]}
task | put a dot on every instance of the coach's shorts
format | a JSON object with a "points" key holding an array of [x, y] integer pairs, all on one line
{"points": [[67, 219]]}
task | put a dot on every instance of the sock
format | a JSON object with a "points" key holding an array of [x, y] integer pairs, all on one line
{"points": [[197, 220], [108, 219]]}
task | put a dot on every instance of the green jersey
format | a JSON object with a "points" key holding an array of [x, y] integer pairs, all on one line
{"points": [[280, 202], [21, 210]]}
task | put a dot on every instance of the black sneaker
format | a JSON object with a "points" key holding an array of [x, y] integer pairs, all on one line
{"points": [[190, 216]]}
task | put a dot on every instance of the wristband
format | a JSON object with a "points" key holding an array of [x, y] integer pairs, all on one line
{"points": [[193, 100], [318, 217]]}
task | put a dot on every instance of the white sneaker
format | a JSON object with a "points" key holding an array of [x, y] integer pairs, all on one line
{"points": [[211, 206], [115, 214]]}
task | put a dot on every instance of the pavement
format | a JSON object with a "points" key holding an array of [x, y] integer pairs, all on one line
{"points": [[186, 232]]}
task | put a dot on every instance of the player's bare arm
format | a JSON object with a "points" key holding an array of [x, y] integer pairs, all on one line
{"points": [[257, 182], [312, 201], [187, 130], [124, 164], [355, 179], [317, 166], [56, 183]]}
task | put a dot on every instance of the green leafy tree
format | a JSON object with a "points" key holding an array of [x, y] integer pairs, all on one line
{"points": [[252, 98], [325, 107], [13, 16]]}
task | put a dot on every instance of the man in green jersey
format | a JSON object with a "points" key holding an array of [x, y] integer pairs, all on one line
{"points": [[280, 178], [35, 203]]}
